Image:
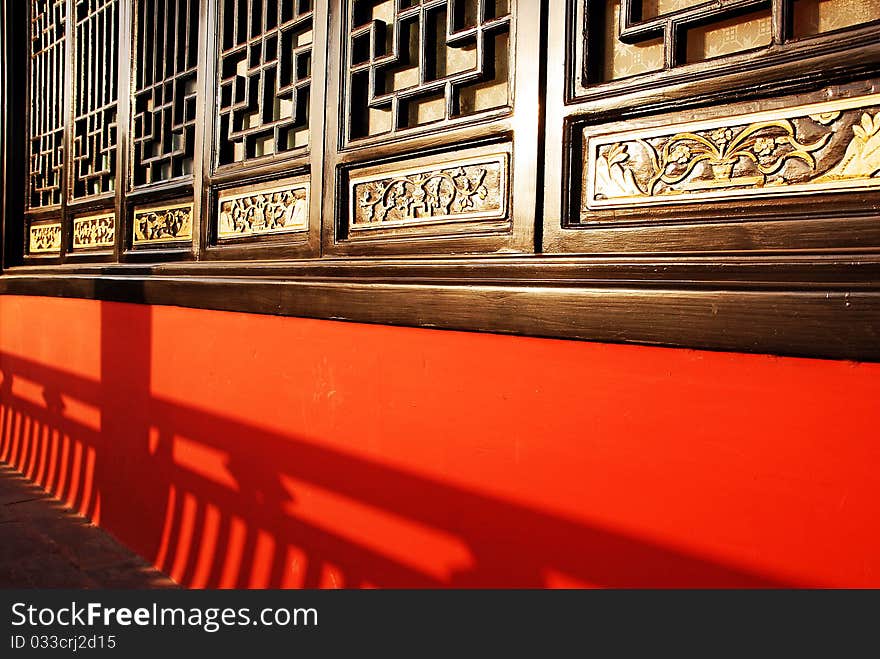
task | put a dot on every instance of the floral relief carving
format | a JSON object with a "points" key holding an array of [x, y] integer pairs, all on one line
{"points": [[279, 210], [459, 191], [811, 148], [767, 145], [159, 225]]}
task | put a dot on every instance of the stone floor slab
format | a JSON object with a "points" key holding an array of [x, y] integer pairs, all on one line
{"points": [[45, 545]]}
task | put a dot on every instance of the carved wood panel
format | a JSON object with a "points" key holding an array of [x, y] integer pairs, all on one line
{"points": [[464, 192], [460, 190], [93, 232], [825, 147], [263, 210], [168, 223], [44, 238]]}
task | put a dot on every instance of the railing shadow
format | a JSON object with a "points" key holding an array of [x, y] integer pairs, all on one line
{"points": [[216, 502]]}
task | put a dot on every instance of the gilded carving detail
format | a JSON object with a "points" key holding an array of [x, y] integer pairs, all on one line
{"points": [[862, 156], [162, 224], [94, 231], [463, 190], [813, 148], [45, 238], [281, 209]]}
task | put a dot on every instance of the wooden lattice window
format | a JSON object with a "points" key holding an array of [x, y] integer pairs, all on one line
{"points": [[93, 160], [165, 52], [713, 126], [412, 63], [626, 38], [264, 78], [47, 66]]}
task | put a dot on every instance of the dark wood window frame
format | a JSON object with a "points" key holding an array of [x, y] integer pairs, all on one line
{"points": [[786, 286]]}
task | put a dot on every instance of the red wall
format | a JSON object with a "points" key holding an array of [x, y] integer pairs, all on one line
{"points": [[243, 450]]}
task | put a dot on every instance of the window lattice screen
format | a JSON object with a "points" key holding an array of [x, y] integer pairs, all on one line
{"points": [[626, 38], [264, 78], [48, 22], [164, 99], [416, 63], [95, 98]]}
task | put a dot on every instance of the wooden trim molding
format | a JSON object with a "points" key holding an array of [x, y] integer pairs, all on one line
{"points": [[826, 307]]}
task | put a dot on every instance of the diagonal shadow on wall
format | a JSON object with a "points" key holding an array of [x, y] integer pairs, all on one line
{"points": [[216, 502]]}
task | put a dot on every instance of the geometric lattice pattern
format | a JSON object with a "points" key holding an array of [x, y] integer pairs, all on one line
{"points": [[48, 20], [264, 70], [627, 38], [95, 98], [672, 27], [417, 62], [164, 89]]}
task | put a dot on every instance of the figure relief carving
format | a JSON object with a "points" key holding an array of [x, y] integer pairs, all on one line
{"points": [[160, 225], [276, 210], [460, 191], [814, 148], [45, 238], [94, 231], [862, 156]]}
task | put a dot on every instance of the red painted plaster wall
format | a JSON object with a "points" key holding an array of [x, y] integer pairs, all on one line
{"points": [[254, 451]]}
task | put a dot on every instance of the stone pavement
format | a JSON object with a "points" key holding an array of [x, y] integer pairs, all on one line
{"points": [[45, 545]]}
